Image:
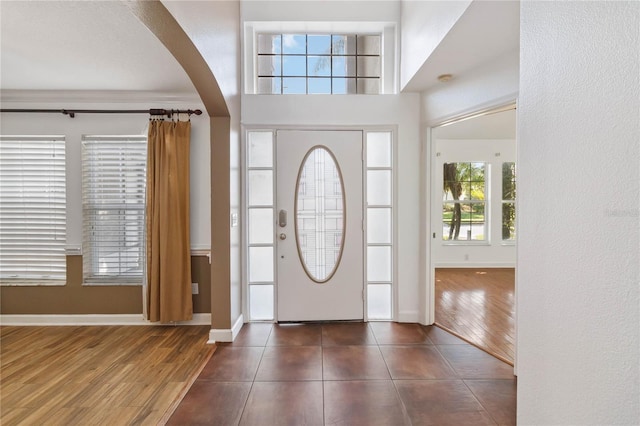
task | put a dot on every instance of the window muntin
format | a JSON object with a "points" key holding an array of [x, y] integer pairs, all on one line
{"points": [[319, 63], [463, 202], [113, 203], [509, 201], [32, 210]]}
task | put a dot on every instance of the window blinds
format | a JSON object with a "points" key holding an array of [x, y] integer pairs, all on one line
{"points": [[32, 209], [113, 199]]}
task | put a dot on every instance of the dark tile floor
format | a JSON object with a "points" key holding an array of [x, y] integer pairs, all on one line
{"points": [[379, 373]]}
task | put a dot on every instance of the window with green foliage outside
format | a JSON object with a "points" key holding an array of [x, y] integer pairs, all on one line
{"points": [[463, 202], [508, 201]]}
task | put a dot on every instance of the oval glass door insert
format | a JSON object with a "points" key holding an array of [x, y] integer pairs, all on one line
{"points": [[320, 214]]}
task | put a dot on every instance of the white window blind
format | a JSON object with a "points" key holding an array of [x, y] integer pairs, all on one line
{"points": [[32, 210], [113, 199]]}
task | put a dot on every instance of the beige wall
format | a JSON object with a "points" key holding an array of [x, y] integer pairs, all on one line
{"points": [[75, 298]]}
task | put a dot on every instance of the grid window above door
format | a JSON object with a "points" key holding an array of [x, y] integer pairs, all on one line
{"points": [[319, 63]]}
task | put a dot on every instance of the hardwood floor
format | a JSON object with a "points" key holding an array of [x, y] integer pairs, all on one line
{"points": [[479, 306], [97, 375], [377, 373]]}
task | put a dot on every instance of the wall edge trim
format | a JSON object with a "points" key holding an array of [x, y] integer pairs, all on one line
{"points": [[91, 319], [408, 316], [226, 334], [475, 265]]}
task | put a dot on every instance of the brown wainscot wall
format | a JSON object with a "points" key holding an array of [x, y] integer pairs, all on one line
{"points": [[74, 298]]}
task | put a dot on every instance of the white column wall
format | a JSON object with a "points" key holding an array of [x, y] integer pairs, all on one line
{"points": [[578, 322]]}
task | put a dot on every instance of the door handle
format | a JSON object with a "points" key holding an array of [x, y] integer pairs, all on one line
{"points": [[282, 218]]}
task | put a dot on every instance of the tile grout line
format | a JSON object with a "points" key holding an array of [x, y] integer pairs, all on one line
{"points": [[264, 348]]}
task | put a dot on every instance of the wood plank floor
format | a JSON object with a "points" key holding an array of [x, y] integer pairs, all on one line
{"points": [[479, 306], [97, 375]]}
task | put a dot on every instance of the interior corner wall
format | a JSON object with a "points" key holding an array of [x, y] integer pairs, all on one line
{"points": [[489, 85], [214, 28], [578, 303], [424, 26]]}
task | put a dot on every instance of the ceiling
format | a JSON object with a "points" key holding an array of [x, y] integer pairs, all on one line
{"points": [[101, 46], [486, 30], [83, 45]]}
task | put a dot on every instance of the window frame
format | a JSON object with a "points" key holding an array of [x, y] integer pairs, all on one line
{"points": [[91, 275], [350, 80], [54, 267], [486, 202], [389, 77]]}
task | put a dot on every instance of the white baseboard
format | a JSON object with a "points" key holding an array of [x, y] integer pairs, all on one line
{"points": [[408, 316], [482, 265], [93, 319], [226, 334]]}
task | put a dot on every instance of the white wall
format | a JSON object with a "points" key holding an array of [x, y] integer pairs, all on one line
{"points": [[214, 28], [491, 84], [111, 124], [578, 351], [359, 111], [424, 26]]}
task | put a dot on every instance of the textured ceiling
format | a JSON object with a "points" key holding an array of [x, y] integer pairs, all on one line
{"points": [[83, 45]]}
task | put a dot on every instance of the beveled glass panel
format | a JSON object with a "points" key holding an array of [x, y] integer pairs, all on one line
{"points": [[379, 187], [379, 301], [368, 86], [379, 263], [261, 302], [294, 86], [368, 66], [319, 66], [369, 45], [343, 44], [269, 85], [260, 187], [344, 66], [269, 65], [260, 149], [269, 43], [293, 66], [320, 85], [318, 44], [379, 149], [379, 226], [294, 44], [260, 264], [319, 217], [344, 86], [260, 226]]}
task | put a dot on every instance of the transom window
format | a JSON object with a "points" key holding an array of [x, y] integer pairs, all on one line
{"points": [[319, 63]]}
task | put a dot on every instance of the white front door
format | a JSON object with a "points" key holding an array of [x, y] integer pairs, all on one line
{"points": [[319, 229]]}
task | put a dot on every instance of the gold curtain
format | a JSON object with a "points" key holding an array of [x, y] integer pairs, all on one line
{"points": [[168, 243]]}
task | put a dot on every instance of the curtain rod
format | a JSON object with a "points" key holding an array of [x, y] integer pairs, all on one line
{"points": [[72, 112]]}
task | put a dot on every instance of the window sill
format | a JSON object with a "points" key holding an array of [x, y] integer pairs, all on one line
{"points": [[31, 283]]}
